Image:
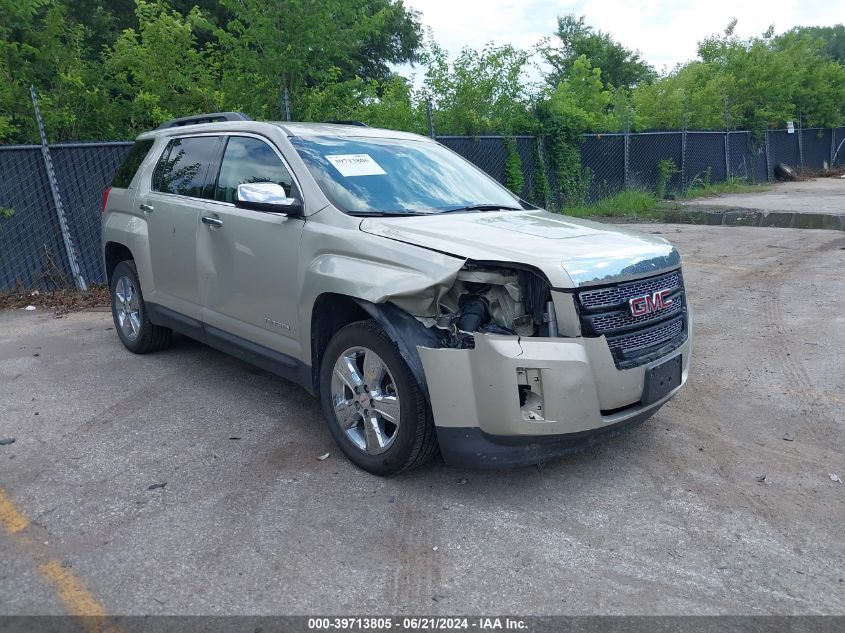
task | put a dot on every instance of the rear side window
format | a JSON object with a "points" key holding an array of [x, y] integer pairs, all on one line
{"points": [[248, 160], [126, 172], [183, 166]]}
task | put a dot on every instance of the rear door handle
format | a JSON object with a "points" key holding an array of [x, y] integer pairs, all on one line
{"points": [[207, 219], [146, 207]]}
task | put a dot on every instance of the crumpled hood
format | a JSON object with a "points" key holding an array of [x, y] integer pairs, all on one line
{"points": [[571, 252]]}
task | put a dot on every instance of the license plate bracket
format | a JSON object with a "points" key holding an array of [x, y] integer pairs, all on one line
{"points": [[661, 379]]}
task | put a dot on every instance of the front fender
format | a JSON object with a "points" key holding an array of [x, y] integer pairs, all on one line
{"points": [[373, 271]]}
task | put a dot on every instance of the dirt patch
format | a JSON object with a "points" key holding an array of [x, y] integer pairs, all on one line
{"points": [[833, 172], [59, 301], [818, 196]]}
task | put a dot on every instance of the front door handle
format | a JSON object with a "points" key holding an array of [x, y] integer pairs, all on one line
{"points": [[207, 219], [146, 207]]}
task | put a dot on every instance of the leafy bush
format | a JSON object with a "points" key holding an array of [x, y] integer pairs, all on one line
{"points": [[514, 180], [542, 191], [666, 168]]}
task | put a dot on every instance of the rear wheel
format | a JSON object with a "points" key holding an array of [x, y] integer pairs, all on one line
{"points": [[375, 408], [129, 312]]}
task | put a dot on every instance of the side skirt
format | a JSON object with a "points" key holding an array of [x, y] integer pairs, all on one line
{"points": [[275, 362], [176, 321]]}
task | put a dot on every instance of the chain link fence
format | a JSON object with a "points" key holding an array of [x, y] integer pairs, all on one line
{"points": [[33, 255], [492, 154], [84, 171], [32, 252]]}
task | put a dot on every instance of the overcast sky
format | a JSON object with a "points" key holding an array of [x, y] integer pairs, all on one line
{"points": [[665, 32]]}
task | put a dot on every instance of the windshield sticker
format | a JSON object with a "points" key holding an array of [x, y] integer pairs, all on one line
{"points": [[356, 165]]}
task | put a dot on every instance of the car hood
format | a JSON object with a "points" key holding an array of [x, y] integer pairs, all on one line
{"points": [[571, 252]]}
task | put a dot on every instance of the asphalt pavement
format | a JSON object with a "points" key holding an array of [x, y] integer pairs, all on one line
{"points": [[187, 482]]}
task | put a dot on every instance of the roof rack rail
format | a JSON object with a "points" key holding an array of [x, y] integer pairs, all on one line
{"points": [[341, 122], [212, 117]]}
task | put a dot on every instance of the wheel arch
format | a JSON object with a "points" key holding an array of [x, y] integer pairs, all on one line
{"points": [[113, 254], [330, 313], [334, 311]]}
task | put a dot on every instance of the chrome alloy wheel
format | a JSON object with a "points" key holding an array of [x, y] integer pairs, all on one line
{"points": [[365, 400], [127, 307]]}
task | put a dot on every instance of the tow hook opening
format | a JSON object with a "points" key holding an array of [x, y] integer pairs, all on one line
{"points": [[529, 382]]}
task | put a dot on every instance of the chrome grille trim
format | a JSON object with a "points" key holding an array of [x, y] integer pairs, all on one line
{"points": [[622, 319], [634, 341], [614, 296], [651, 337]]}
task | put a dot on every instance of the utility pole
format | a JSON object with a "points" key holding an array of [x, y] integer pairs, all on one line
{"points": [[286, 103], [430, 113], [727, 141], [800, 143], [684, 126], [627, 148]]}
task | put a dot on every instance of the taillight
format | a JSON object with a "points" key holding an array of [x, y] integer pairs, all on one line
{"points": [[105, 199]]}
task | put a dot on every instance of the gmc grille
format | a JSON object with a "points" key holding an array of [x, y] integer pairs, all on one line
{"points": [[636, 340]]}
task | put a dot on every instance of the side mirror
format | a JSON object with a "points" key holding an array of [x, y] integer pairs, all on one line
{"points": [[267, 197]]}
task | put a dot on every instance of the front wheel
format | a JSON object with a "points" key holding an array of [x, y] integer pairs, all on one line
{"points": [[375, 408]]}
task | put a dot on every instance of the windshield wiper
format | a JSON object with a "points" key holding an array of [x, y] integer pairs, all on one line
{"points": [[384, 214], [483, 207]]}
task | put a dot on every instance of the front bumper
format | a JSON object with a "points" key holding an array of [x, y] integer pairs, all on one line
{"points": [[472, 447], [482, 420]]}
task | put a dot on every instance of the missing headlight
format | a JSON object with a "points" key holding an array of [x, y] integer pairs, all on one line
{"points": [[496, 300]]}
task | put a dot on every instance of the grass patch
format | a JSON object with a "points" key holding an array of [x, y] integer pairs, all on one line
{"points": [[634, 203], [700, 189], [639, 204]]}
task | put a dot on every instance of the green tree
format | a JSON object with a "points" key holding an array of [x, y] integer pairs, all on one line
{"points": [[102, 21], [583, 99], [111, 68], [41, 45], [832, 39], [158, 72], [391, 104], [272, 45], [481, 91], [692, 95], [621, 67], [762, 82], [580, 103]]}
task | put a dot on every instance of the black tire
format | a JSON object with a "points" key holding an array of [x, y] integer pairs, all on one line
{"points": [[415, 441], [785, 172], [149, 337]]}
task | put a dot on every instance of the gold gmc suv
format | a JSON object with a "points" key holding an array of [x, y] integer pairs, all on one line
{"points": [[422, 302]]}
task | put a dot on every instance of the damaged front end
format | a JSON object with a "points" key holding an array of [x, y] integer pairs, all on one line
{"points": [[510, 375], [490, 299], [490, 304]]}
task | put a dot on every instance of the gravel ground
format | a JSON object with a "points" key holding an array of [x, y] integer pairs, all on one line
{"points": [[705, 509]]}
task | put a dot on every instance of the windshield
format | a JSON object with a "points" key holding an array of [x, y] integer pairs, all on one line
{"points": [[380, 176]]}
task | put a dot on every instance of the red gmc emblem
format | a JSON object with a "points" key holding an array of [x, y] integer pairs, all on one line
{"points": [[646, 304]]}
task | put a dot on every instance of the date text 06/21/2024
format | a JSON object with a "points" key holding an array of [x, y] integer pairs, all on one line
{"points": [[417, 623]]}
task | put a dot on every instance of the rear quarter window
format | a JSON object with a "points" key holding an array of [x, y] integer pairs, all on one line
{"points": [[183, 166], [126, 172]]}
